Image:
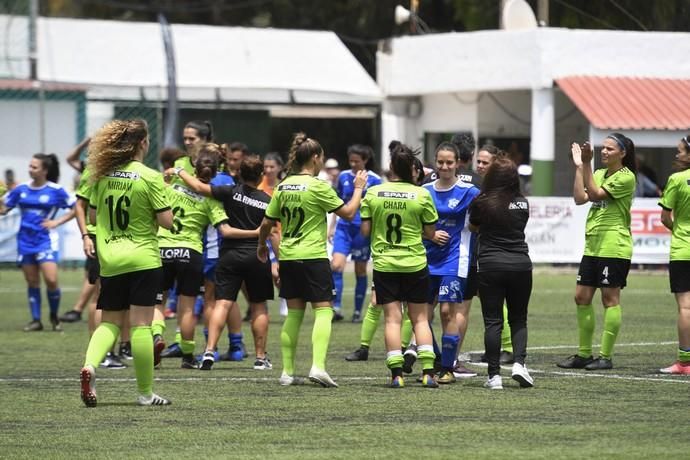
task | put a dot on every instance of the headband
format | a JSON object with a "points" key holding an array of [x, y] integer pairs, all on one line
{"points": [[687, 142], [618, 140]]}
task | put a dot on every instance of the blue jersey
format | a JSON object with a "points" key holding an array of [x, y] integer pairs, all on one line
{"points": [[346, 188], [453, 258], [37, 205], [213, 236]]}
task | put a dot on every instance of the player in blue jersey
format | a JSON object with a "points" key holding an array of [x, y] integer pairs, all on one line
{"points": [[449, 253], [345, 235], [37, 241]]}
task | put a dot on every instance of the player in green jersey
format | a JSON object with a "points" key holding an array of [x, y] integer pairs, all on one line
{"points": [[675, 215], [396, 215], [127, 203], [181, 250], [300, 202], [608, 243]]}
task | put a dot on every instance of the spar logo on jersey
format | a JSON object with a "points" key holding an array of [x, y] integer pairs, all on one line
{"points": [[292, 187], [398, 195], [131, 175], [453, 202], [43, 199]]}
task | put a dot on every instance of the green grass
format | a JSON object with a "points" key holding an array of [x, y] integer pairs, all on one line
{"points": [[234, 411]]}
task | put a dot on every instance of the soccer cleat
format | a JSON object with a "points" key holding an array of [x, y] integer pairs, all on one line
{"points": [[286, 380], [337, 316], [158, 347], [126, 351], [33, 326], [55, 322], [173, 351], [506, 357], [357, 317], [494, 383], [461, 372], [409, 357], [169, 314], [321, 377], [72, 316], [521, 376], [575, 362], [397, 381], [152, 400], [112, 361], [262, 364], [87, 377], [360, 354], [446, 377], [677, 368], [599, 364], [207, 361], [189, 362], [429, 381]]}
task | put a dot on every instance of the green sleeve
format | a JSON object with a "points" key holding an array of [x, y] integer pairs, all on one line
{"points": [[216, 212], [620, 185], [668, 198], [326, 196], [94, 193], [365, 210], [273, 209], [429, 213], [156, 192]]}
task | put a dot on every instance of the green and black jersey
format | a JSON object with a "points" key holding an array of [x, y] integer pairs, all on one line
{"points": [[676, 198], [84, 192]]}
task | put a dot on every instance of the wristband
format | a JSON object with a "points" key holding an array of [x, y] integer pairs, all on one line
{"points": [[83, 235], [178, 170]]}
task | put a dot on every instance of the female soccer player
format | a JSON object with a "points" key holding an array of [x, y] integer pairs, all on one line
{"points": [[675, 215], [37, 241], [449, 253], [504, 270], [128, 202], [608, 243], [346, 237], [396, 214], [245, 206], [301, 203]]}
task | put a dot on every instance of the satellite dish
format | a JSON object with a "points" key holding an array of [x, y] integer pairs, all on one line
{"points": [[402, 14], [517, 14]]}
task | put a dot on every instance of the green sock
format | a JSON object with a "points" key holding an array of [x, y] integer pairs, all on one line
{"points": [[370, 324], [426, 356], [585, 327], [612, 324], [683, 356], [506, 342], [321, 336], [288, 339], [157, 327], [187, 346], [178, 336], [406, 330], [394, 359], [101, 342], [142, 352]]}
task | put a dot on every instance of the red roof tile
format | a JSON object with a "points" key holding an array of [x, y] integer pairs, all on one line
{"points": [[630, 103], [27, 85]]}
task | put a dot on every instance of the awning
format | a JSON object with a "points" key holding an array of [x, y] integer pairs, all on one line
{"points": [[624, 103]]}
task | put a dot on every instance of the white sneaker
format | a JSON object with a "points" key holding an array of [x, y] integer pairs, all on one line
{"points": [[286, 380], [321, 377], [494, 383], [152, 400], [521, 376]]}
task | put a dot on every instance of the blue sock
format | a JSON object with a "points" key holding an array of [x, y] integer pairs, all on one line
{"points": [[360, 292], [437, 350], [172, 300], [54, 301], [338, 284], [235, 341], [449, 345], [206, 334], [34, 295], [199, 305]]}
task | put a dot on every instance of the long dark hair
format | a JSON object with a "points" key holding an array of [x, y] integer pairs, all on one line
{"points": [[51, 164], [629, 149], [500, 187], [402, 160], [682, 165], [204, 129], [206, 165], [465, 144], [365, 152]]}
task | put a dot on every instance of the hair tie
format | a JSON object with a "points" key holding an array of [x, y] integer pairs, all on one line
{"points": [[687, 142], [619, 141]]}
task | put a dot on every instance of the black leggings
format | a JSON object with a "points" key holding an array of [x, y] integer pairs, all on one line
{"points": [[514, 288]]}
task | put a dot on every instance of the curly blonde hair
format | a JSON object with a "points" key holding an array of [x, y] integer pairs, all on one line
{"points": [[115, 144]]}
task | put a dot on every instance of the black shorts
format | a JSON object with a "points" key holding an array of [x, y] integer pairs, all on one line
{"points": [[239, 266], [309, 280], [184, 265], [679, 275], [136, 288], [471, 284], [402, 287], [92, 266], [603, 272]]}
